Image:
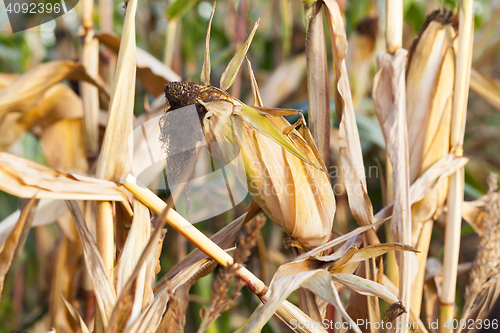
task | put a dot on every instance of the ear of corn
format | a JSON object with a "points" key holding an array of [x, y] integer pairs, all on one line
{"points": [[274, 174]]}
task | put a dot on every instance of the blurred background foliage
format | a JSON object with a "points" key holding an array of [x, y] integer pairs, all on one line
{"points": [[279, 40]]}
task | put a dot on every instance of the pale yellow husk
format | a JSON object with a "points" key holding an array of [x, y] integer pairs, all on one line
{"points": [[294, 194]]}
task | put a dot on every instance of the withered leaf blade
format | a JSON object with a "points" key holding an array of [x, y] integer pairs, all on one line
{"points": [[24, 178], [16, 239], [52, 107], [263, 125], [350, 147], [205, 71], [114, 160], [151, 72], [104, 290], [79, 321], [27, 91], [257, 100], [229, 75], [318, 281]]}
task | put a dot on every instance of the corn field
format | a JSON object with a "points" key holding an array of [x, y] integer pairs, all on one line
{"points": [[250, 166]]}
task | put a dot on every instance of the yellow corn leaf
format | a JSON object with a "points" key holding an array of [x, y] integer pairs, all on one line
{"points": [[151, 72], [104, 291], [25, 179], [63, 144], [351, 158], [264, 126], [26, 92], [318, 281], [114, 160], [52, 107]]}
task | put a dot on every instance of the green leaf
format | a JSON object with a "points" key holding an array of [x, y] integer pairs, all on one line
{"points": [[179, 8], [229, 75], [263, 125]]}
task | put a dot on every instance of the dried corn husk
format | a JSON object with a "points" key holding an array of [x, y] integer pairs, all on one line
{"points": [[293, 193], [430, 84], [281, 166]]}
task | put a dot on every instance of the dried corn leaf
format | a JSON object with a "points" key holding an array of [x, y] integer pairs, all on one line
{"points": [[370, 251], [264, 126], [389, 99], [25, 179], [205, 71], [69, 154], [229, 75], [26, 92], [16, 239], [52, 107], [74, 312], [223, 238], [48, 211], [284, 81], [318, 95], [350, 148], [128, 310], [90, 94], [104, 291], [257, 99], [485, 87], [318, 281], [151, 72], [365, 287], [114, 160], [136, 242]]}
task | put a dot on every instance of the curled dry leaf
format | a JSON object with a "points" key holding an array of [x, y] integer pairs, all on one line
{"points": [[48, 211], [104, 290], [68, 155], [52, 107], [24, 179], [205, 71], [26, 92], [229, 75], [351, 158], [485, 87], [318, 281], [389, 99], [74, 312], [151, 72], [114, 160], [284, 81], [318, 96], [16, 239]]}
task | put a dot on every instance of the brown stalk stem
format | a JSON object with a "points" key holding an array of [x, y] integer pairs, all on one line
{"points": [[105, 235], [456, 186]]}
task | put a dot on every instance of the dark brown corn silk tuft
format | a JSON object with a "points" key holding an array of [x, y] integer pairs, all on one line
{"points": [[444, 16], [181, 94]]}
